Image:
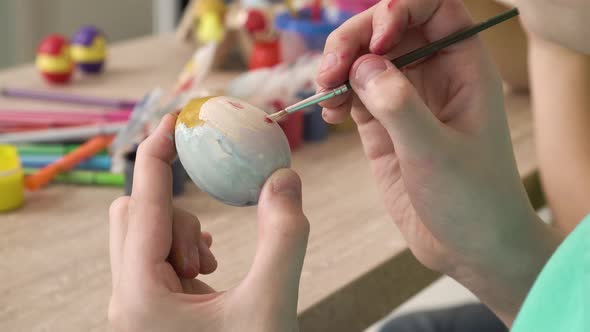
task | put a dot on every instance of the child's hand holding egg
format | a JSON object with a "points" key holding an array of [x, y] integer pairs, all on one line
{"points": [[229, 148]]}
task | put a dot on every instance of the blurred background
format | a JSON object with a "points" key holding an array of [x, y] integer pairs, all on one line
{"points": [[26, 22]]}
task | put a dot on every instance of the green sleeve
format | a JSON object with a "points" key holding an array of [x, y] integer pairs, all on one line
{"points": [[560, 298]]}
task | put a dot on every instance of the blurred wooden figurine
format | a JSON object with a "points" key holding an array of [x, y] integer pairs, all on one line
{"points": [[265, 44], [209, 21], [238, 30]]}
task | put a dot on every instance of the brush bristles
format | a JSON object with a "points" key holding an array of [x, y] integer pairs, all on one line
{"points": [[277, 116]]}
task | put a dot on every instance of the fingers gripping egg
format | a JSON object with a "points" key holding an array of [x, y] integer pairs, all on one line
{"points": [[229, 148]]}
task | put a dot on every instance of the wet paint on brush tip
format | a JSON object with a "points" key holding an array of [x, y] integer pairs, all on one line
{"points": [[267, 120]]}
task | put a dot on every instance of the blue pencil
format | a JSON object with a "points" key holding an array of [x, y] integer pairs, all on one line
{"points": [[98, 163]]}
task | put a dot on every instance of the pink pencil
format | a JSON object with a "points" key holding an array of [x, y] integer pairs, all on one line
{"points": [[60, 118], [66, 98]]}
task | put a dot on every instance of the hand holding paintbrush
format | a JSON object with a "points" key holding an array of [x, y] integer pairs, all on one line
{"points": [[437, 140], [402, 61]]}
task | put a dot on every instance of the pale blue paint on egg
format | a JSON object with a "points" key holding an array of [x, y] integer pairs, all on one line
{"points": [[232, 151]]}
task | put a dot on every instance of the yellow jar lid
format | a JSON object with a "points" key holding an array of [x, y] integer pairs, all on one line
{"points": [[8, 158], [11, 179]]}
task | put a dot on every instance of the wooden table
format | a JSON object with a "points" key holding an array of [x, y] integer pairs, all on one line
{"points": [[54, 271]]}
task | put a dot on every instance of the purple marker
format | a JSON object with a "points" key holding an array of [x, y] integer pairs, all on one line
{"points": [[67, 98]]}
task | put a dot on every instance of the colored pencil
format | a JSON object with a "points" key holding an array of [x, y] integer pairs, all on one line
{"points": [[97, 163], [67, 98], [8, 128], [48, 149], [86, 178], [63, 134], [46, 174], [14, 117]]}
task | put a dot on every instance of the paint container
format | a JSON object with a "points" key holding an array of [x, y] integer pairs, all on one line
{"points": [[291, 124], [315, 129], [178, 174], [179, 177], [301, 34], [11, 179], [265, 54]]}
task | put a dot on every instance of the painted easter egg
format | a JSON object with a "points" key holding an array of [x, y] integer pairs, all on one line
{"points": [[53, 59], [229, 148], [89, 49]]}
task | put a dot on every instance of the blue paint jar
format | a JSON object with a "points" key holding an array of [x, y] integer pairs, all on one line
{"points": [[301, 35], [315, 129], [179, 175]]}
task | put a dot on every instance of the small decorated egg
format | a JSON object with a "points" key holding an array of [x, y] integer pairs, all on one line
{"points": [[54, 60], [89, 49], [229, 148]]}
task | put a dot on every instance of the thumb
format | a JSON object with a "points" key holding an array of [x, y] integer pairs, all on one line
{"points": [[282, 237], [392, 99]]}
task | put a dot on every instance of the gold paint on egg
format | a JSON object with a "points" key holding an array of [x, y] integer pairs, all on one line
{"points": [[189, 116]]}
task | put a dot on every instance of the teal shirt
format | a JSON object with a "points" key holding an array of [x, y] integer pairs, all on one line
{"points": [[560, 298]]}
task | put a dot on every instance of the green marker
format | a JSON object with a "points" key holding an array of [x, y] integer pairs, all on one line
{"points": [[48, 149], [87, 178]]}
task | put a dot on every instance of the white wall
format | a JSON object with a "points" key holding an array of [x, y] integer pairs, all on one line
{"points": [[28, 21], [7, 33], [165, 15]]}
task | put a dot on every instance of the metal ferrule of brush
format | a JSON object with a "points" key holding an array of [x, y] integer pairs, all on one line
{"points": [[342, 89]]}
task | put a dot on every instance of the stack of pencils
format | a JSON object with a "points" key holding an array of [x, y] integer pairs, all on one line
{"points": [[64, 146]]}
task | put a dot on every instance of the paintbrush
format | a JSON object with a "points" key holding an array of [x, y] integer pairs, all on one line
{"points": [[402, 61]]}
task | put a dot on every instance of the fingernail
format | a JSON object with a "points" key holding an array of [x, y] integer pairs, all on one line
{"points": [[368, 70], [377, 35], [325, 114], [328, 61], [191, 257], [285, 182], [205, 251]]}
